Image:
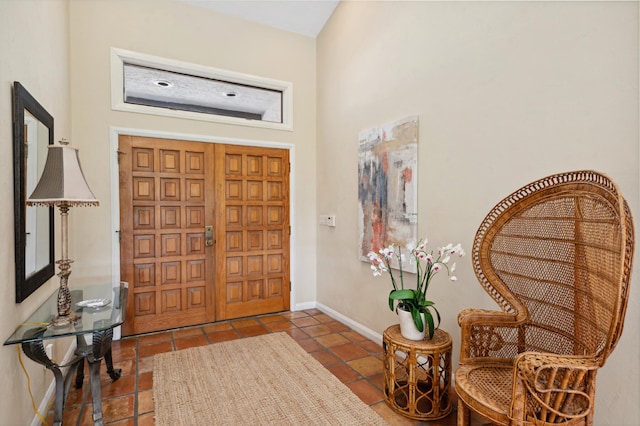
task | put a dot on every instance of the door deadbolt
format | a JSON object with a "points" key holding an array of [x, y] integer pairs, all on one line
{"points": [[208, 236]]}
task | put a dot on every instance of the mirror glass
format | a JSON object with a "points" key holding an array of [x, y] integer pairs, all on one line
{"points": [[34, 249], [36, 218]]}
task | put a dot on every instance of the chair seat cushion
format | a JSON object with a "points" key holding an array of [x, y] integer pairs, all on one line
{"points": [[487, 389]]}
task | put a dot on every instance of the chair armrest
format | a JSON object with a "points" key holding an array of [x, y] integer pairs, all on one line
{"points": [[488, 334], [474, 316], [553, 388]]}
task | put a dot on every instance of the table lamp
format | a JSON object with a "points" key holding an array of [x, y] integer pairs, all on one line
{"points": [[63, 185]]}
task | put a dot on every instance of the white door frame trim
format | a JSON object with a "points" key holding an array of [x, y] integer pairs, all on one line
{"points": [[114, 173]]}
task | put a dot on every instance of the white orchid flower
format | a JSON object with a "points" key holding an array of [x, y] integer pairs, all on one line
{"points": [[388, 252], [434, 263], [458, 249]]}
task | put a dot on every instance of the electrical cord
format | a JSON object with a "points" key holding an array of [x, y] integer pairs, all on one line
{"points": [[24, 369]]}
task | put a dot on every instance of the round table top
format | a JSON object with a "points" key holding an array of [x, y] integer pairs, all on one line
{"points": [[440, 340]]}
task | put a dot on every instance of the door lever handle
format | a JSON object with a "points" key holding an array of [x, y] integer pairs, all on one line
{"points": [[208, 236]]}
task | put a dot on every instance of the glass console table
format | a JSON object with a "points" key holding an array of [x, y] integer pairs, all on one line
{"points": [[94, 333]]}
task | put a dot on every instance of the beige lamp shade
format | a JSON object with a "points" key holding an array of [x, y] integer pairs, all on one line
{"points": [[62, 181]]}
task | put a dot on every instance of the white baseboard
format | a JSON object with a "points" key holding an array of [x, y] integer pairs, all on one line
{"points": [[356, 326], [50, 394], [303, 306]]}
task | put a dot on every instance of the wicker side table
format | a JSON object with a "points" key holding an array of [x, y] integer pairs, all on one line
{"points": [[417, 374]]}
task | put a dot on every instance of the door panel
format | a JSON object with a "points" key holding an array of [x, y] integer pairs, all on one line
{"points": [[253, 273], [163, 215], [169, 192]]}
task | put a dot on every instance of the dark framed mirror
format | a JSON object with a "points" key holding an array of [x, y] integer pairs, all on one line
{"points": [[34, 247]]}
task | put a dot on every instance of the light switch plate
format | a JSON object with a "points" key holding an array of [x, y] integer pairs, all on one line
{"points": [[328, 220]]}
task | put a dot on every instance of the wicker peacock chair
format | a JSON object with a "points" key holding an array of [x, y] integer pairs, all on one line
{"points": [[556, 256]]}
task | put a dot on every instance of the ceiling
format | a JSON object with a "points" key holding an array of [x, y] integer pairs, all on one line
{"points": [[305, 17]]}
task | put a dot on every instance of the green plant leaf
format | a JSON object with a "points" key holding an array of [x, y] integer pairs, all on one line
{"points": [[430, 324], [404, 297], [417, 318], [402, 294]]}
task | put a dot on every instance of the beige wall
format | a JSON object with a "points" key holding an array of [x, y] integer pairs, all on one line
{"points": [[506, 92], [190, 34], [34, 50]]}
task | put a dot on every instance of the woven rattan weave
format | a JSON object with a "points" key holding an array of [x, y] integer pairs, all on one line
{"points": [[417, 374], [556, 256]]}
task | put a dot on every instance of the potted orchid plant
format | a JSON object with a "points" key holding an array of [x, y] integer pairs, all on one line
{"points": [[427, 265]]}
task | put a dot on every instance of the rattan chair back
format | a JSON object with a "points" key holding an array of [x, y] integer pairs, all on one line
{"points": [[556, 256], [557, 253]]}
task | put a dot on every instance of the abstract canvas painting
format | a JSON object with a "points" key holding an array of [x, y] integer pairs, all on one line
{"points": [[387, 179]]}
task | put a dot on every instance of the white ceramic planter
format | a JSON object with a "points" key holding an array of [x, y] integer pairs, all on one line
{"points": [[408, 328]]}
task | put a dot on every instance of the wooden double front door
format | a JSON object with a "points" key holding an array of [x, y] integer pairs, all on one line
{"points": [[204, 232]]}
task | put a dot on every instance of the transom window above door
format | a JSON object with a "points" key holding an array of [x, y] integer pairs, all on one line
{"points": [[159, 86]]}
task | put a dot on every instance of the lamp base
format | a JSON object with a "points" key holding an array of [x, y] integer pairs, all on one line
{"points": [[65, 316], [64, 320]]}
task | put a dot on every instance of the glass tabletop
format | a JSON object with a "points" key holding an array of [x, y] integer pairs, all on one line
{"points": [[98, 307]]}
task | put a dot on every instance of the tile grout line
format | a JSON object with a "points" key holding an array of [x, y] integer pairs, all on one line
{"points": [[137, 393]]}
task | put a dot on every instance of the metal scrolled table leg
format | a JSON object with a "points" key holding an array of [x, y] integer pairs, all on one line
{"points": [[94, 353], [35, 351], [114, 373]]}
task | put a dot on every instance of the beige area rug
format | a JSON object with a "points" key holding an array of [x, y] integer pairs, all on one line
{"points": [[263, 380]]}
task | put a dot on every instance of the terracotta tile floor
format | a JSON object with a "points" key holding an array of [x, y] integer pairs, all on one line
{"points": [[351, 357]]}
